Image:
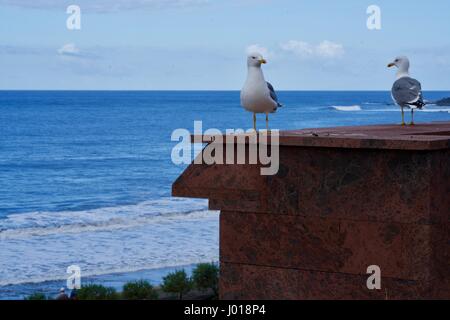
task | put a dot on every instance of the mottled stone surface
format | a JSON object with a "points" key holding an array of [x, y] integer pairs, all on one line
{"points": [[253, 282], [404, 251], [431, 136], [343, 199], [355, 184]]}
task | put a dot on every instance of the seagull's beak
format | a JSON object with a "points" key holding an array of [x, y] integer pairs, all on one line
{"points": [[263, 61], [390, 65]]}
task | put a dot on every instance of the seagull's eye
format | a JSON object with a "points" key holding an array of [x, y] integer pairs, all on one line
{"points": [[253, 57]]}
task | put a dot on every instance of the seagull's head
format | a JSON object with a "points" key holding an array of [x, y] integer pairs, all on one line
{"points": [[402, 63], [255, 60]]}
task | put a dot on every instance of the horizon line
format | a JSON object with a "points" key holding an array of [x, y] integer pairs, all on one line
{"points": [[211, 90]]}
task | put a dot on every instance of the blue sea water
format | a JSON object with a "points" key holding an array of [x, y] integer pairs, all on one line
{"points": [[85, 176]]}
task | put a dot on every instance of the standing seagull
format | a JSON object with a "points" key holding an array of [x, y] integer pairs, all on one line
{"points": [[257, 95], [406, 91]]}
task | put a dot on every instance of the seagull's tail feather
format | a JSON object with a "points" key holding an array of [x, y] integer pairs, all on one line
{"points": [[419, 103], [279, 105]]}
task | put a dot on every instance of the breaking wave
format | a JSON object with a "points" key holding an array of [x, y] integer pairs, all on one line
{"points": [[347, 108], [39, 246]]}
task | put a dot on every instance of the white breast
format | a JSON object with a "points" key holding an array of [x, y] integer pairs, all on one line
{"points": [[255, 95]]}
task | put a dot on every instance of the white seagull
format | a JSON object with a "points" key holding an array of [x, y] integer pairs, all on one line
{"points": [[258, 95], [406, 91]]}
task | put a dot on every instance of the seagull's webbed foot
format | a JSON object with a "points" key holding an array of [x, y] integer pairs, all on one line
{"points": [[412, 123]]}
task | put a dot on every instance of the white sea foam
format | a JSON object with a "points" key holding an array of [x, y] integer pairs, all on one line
{"points": [[39, 246], [373, 103], [445, 110], [108, 218], [347, 108], [397, 109], [385, 110], [92, 226]]}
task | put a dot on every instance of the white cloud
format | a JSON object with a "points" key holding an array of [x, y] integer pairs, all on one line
{"points": [[300, 48], [328, 49], [256, 48], [102, 5], [69, 49], [325, 49]]}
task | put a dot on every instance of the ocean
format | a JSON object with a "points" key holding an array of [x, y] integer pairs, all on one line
{"points": [[85, 177]]}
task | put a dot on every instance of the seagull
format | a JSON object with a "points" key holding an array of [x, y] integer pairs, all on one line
{"points": [[406, 91], [258, 95]]}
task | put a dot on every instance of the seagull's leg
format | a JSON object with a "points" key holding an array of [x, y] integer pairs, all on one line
{"points": [[254, 121], [412, 117], [267, 122], [403, 117]]}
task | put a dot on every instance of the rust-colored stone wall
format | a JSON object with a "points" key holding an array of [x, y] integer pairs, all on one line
{"points": [[311, 231]]}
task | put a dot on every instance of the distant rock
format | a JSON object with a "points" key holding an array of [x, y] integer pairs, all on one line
{"points": [[443, 102]]}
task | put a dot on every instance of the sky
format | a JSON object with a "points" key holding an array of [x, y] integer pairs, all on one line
{"points": [[202, 44]]}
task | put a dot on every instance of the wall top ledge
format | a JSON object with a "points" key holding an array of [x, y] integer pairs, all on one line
{"points": [[424, 136]]}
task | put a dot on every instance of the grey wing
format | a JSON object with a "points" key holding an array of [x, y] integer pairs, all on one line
{"points": [[273, 94], [407, 91]]}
